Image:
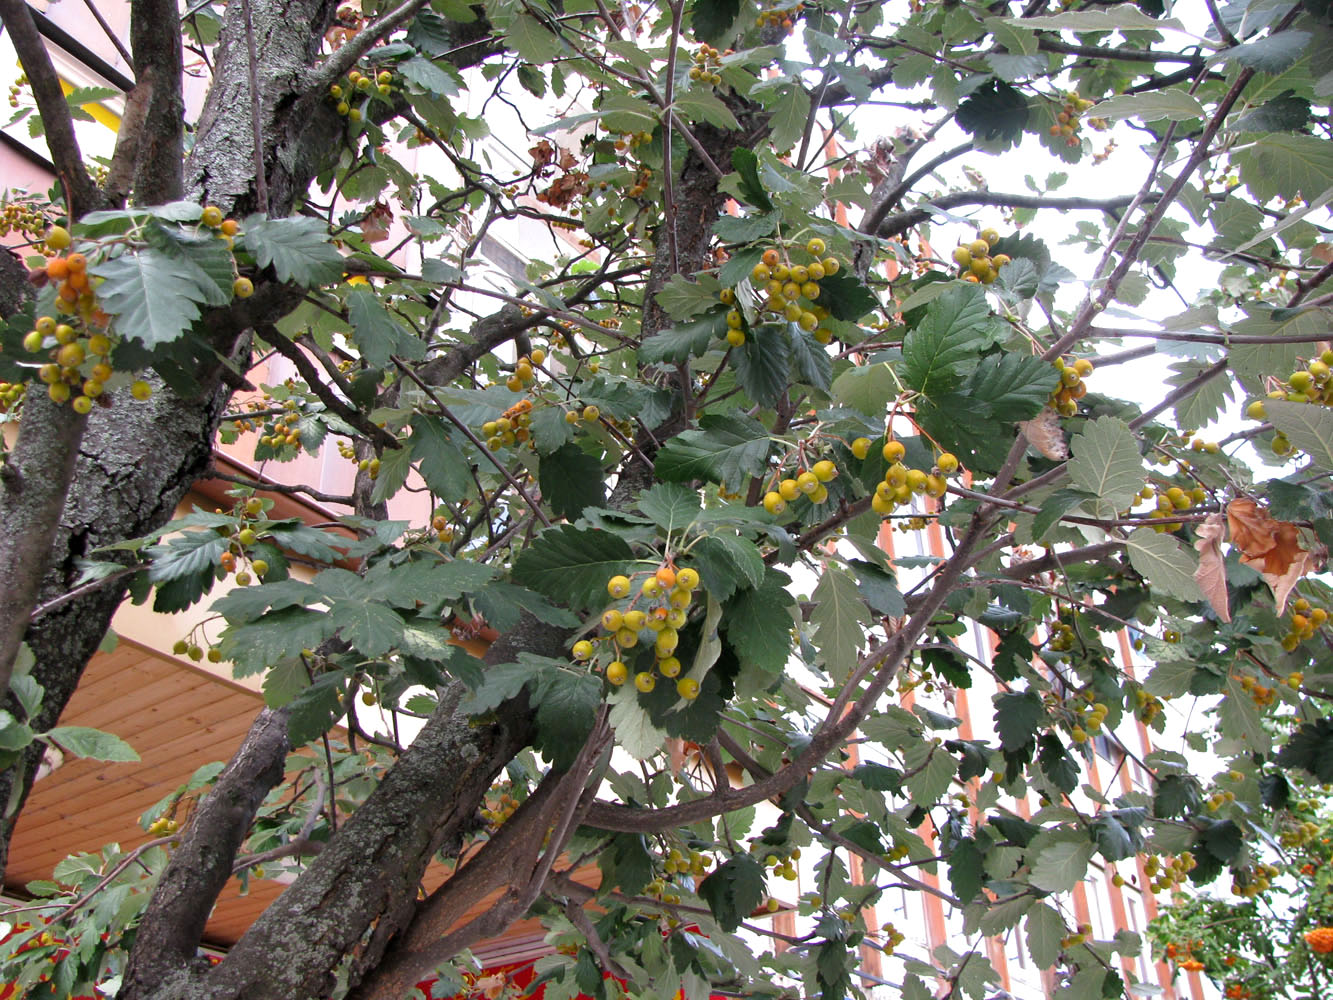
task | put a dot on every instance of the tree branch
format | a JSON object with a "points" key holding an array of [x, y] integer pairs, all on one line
{"points": [[81, 193], [173, 924], [155, 38], [892, 225]]}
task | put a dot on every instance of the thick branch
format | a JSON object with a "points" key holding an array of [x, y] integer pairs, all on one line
{"points": [[172, 926], [33, 484], [80, 192], [155, 38]]}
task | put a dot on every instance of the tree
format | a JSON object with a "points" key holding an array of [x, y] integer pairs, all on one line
{"points": [[752, 361]]}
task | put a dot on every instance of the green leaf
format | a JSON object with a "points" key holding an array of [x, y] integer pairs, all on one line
{"points": [[683, 298], [379, 335], [571, 565], [567, 703], [1285, 164], [92, 743], [758, 623], [845, 297], [622, 113], [1270, 54], [429, 76], [788, 119], [880, 589], [677, 344], [1155, 105], [929, 770], [1240, 719], [967, 870], [1061, 866], [746, 228], [153, 297], [810, 361], [395, 465], [724, 449], [763, 363], [284, 682], [501, 603], [733, 890], [1056, 763], [1017, 715], [314, 711], [531, 39], [947, 341], [185, 554], [297, 248], [704, 106], [1121, 17], [1166, 564], [713, 19], [746, 164], [571, 480], [867, 388], [1284, 113], [1201, 407], [369, 626], [669, 505], [1179, 795], [1308, 426], [504, 681], [839, 613], [1016, 386], [255, 646], [994, 111], [1107, 464], [441, 463], [1311, 749], [14, 735], [1045, 930], [1054, 507]]}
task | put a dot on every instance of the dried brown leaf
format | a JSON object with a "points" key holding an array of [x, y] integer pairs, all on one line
{"points": [[1211, 576], [1272, 547]]}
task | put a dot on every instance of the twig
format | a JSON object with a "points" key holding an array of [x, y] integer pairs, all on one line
{"points": [[467, 432], [81, 590]]}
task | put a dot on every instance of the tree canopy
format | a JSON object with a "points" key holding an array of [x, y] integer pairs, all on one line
{"points": [[662, 458]]}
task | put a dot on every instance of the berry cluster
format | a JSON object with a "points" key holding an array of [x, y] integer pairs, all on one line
{"points": [[808, 483], [1306, 620], [791, 287], [1166, 873], [656, 612], [283, 430], [21, 217], [976, 262], [707, 62], [1250, 882], [892, 936], [693, 863], [1067, 119], [163, 826], [510, 428], [1261, 694], [502, 809], [16, 89], [1064, 398], [782, 866], [780, 17], [1081, 934], [357, 83], [1311, 384], [240, 543], [70, 349], [900, 483], [443, 529]]}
